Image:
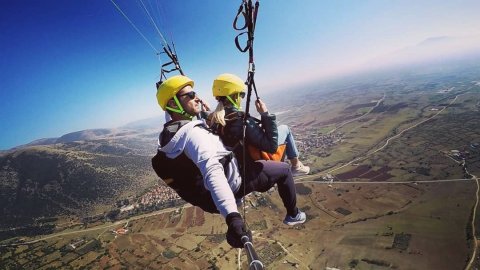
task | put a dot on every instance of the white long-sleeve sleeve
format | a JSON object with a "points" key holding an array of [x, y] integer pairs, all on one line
{"points": [[205, 150]]}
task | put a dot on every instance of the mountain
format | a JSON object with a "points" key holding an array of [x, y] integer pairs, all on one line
{"points": [[45, 141], [84, 135], [434, 55], [77, 175], [433, 49], [153, 124], [148, 123]]}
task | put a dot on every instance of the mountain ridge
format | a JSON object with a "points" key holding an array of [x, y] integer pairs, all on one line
{"points": [[134, 127]]}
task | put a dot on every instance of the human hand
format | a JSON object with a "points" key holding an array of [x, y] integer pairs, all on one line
{"points": [[261, 106], [236, 229], [205, 106]]}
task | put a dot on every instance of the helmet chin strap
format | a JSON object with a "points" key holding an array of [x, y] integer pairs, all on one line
{"points": [[235, 104], [180, 109]]}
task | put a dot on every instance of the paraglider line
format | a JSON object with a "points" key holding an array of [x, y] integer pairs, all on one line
{"points": [[153, 23], [133, 25]]}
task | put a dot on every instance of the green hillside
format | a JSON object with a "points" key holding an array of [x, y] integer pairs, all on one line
{"points": [[75, 179]]}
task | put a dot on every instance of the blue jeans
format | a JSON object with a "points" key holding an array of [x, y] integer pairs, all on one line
{"points": [[285, 136]]}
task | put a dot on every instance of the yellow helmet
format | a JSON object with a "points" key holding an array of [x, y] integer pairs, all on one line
{"points": [[170, 87], [227, 84]]}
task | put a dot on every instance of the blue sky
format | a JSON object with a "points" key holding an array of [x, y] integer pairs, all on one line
{"points": [[78, 64]]}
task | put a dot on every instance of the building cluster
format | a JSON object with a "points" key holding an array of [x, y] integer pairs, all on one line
{"points": [[328, 177], [76, 243], [312, 143], [157, 195], [458, 155], [119, 231], [444, 91]]}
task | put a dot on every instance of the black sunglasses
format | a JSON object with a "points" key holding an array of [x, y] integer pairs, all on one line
{"points": [[242, 94], [190, 95]]}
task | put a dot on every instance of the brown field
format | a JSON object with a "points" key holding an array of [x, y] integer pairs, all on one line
{"points": [[375, 225], [434, 217]]}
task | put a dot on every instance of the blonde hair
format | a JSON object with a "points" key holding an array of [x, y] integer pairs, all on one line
{"points": [[218, 116]]}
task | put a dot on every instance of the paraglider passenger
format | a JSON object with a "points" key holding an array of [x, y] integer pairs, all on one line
{"points": [[229, 90]]}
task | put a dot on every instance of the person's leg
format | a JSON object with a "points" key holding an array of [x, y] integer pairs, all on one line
{"points": [[263, 175], [285, 136]]}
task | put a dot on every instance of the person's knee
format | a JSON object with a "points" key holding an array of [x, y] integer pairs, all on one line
{"points": [[283, 128], [266, 186], [284, 170], [285, 167], [273, 172]]}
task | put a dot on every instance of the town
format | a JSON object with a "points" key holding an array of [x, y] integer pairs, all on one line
{"points": [[315, 143]]}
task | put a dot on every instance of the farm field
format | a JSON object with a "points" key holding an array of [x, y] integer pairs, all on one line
{"points": [[392, 187]]}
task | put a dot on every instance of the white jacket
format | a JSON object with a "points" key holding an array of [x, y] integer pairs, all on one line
{"points": [[205, 149]]}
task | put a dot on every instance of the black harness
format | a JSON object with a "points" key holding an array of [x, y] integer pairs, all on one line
{"points": [[181, 174]]}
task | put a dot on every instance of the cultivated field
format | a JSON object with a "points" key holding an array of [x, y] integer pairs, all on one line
{"points": [[378, 198]]}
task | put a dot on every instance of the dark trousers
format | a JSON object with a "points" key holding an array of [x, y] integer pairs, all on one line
{"points": [[262, 175]]}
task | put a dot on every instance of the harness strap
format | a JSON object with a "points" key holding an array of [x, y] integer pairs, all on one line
{"points": [[237, 43], [172, 54], [240, 11], [225, 161]]}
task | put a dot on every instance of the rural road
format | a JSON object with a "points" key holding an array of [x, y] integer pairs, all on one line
{"points": [[100, 227]]}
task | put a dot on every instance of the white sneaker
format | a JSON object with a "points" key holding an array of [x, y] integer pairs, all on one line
{"points": [[300, 218], [300, 169]]}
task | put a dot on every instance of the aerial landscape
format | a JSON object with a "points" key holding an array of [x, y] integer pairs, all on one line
{"points": [[393, 150], [393, 186]]}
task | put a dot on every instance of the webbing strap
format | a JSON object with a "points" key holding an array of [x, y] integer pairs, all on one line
{"points": [[237, 43], [249, 14], [235, 22], [173, 65]]}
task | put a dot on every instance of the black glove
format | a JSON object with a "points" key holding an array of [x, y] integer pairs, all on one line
{"points": [[236, 229]]}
